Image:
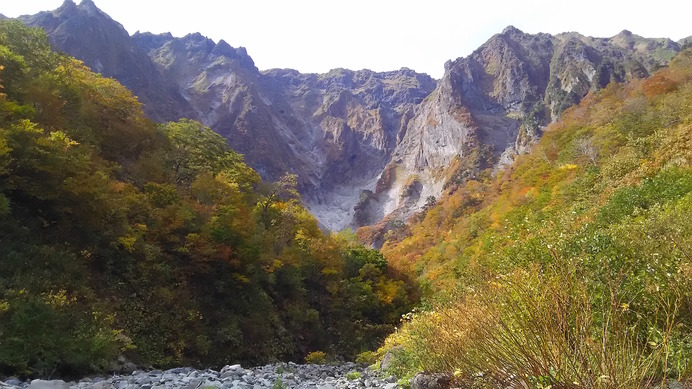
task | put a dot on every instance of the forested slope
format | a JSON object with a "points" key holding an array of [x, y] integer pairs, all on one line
{"points": [[572, 267], [120, 236]]}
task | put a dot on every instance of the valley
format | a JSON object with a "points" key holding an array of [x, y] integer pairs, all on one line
{"points": [[169, 211], [340, 131]]}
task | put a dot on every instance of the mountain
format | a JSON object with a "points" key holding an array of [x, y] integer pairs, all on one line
{"points": [[336, 131], [87, 33], [368, 148], [571, 264], [124, 238], [492, 105]]}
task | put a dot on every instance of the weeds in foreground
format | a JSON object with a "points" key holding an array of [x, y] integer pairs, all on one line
{"points": [[536, 328], [279, 384]]}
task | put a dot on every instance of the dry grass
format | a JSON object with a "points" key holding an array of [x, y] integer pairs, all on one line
{"points": [[535, 329]]}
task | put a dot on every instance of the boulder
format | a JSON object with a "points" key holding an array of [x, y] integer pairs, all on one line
{"points": [[43, 384], [123, 366], [102, 385], [431, 381], [13, 381], [230, 368], [389, 357]]}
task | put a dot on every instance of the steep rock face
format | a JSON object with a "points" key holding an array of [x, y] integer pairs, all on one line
{"points": [[366, 146], [491, 105], [354, 120], [221, 84], [90, 35], [336, 131]]}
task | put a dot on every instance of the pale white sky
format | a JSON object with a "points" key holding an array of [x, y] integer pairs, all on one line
{"points": [[318, 35]]}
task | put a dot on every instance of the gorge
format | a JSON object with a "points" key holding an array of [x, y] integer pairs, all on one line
{"points": [[366, 147]]}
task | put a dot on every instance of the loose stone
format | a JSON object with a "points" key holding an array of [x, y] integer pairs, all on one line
{"points": [[281, 375]]}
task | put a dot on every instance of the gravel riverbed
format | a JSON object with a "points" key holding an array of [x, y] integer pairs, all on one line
{"points": [[276, 376]]}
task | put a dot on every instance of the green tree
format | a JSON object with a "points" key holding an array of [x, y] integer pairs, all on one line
{"points": [[195, 148]]}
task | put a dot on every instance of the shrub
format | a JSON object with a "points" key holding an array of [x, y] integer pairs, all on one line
{"points": [[669, 184], [572, 267], [367, 357], [354, 375], [541, 326], [316, 358], [47, 337], [278, 384]]}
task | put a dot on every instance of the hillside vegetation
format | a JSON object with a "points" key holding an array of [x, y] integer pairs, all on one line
{"points": [[119, 236], [571, 268]]}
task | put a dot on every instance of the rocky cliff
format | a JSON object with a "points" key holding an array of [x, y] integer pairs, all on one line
{"points": [[366, 146], [335, 131], [493, 104], [85, 32]]}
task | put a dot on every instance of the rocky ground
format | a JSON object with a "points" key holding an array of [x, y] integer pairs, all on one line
{"points": [[278, 376]]}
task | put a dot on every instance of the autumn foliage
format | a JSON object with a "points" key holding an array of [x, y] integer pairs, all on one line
{"points": [[123, 236], [571, 268]]}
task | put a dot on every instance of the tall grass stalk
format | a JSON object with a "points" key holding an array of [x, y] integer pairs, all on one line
{"points": [[539, 328]]}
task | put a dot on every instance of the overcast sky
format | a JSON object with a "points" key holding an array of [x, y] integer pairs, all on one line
{"points": [[318, 35]]}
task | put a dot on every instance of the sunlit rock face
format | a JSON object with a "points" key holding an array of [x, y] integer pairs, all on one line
{"points": [[366, 146], [492, 105]]}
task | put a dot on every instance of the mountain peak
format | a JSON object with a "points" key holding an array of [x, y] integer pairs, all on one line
{"points": [[624, 38], [67, 5], [224, 49], [149, 41], [340, 129], [89, 7], [196, 37], [511, 30]]}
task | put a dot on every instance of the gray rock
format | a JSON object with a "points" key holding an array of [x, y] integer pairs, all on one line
{"points": [[54, 384], [142, 380], [193, 384], [128, 367], [123, 385], [179, 370], [431, 381], [389, 358], [262, 377], [101, 385], [13, 381], [351, 124], [232, 374], [230, 368]]}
